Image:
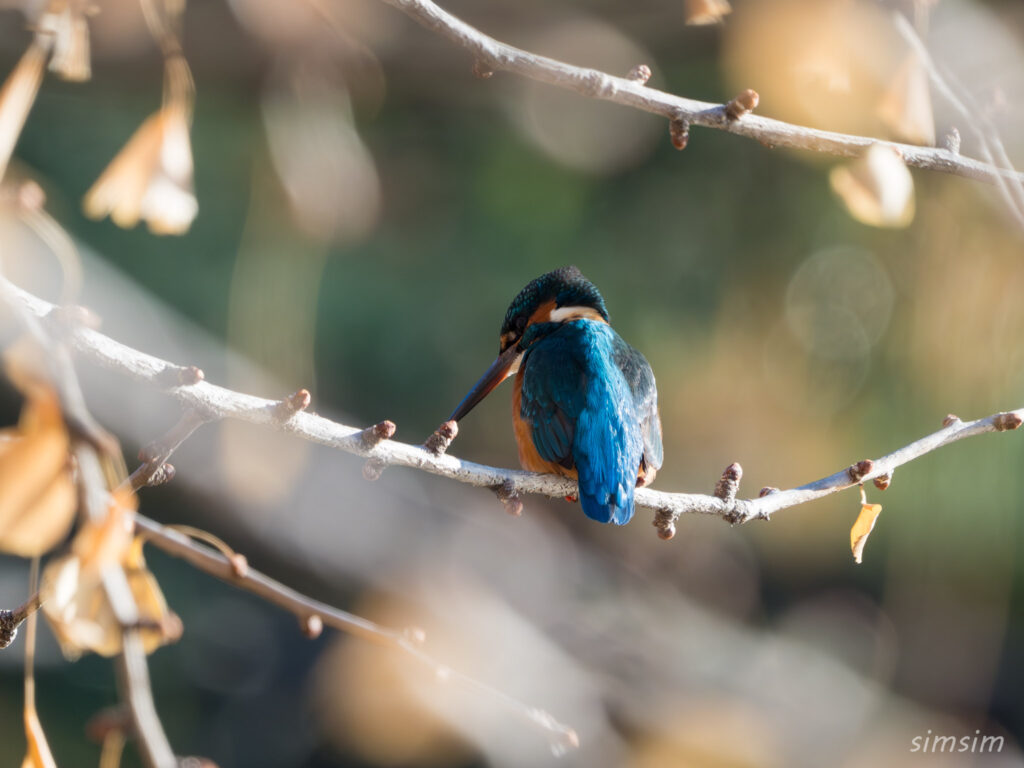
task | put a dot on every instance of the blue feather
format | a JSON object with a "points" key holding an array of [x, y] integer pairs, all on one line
{"points": [[583, 413]]}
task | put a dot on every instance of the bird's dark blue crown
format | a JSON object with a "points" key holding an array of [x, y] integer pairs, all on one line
{"points": [[566, 286]]}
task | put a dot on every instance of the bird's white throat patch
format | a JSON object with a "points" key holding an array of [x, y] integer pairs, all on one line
{"points": [[564, 314]]}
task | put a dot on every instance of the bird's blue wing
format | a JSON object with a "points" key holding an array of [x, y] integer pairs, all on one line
{"points": [[582, 414], [551, 400], [640, 378]]}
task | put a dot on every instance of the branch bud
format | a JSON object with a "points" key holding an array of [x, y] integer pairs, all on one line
{"points": [[679, 132], [438, 442], [950, 420], [744, 102], [768, 490], [239, 565], [481, 69], [510, 498], [72, 316], [858, 471], [951, 141], [8, 628], [312, 626], [189, 375], [882, 481], [729, 483], [295, 402], [665, 522], [373, 469], [163, 474], [379, 432], [1006, 421], [641, 73]]}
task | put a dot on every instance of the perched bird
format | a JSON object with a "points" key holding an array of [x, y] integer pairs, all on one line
{"points": [[584, 405]]}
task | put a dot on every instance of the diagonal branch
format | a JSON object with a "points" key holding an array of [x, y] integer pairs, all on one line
{"points": [[217, 402], [492, 54], [133, 672], [1010, 186], [313, 614]]}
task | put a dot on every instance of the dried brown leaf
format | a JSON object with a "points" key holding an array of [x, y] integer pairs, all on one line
{"points": [[74, 597], [906, 106], [863, 526], [877, 189], [150, 178], [37, 495]]}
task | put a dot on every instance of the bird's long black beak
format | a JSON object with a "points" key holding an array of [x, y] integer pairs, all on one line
{"points": [[504, 366]]}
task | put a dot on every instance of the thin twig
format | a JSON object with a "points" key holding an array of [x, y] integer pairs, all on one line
{"points": [[1009, 183], [498, 56], [312, 612], [154, 469], [222, 403]]}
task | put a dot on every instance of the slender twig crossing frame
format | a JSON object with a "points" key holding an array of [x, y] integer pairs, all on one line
{"points": [[492, 55]]}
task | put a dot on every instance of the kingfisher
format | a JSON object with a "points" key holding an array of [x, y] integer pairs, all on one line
{"points": [[584, 404]]}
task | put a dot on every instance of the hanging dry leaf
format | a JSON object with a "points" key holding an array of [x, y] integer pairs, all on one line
{"points": [[863, 526], [65, 21], [701, 12], [74, 597], [18, 96], [906, 106], [37, 495], [877, 189], [150, 178], [38, 754]]}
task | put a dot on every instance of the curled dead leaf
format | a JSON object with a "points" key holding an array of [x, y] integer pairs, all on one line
{"points": [[18, 95], [75, 599], [150, 178], [877, 189], [863, 526], [906, 106], [37, 495], [65, 22]]}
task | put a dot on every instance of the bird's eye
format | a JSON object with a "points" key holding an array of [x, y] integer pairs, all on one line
{"points": [[520, 324]]}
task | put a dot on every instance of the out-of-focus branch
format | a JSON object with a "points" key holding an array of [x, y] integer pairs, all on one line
{"points": [[492, 55], [307, 611], [222, 403], [154, 469], [1010, 184], [313, 615], [89, 443]]}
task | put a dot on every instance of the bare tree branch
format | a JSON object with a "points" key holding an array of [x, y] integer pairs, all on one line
{"points": [[133, 671], [1010, 185], [89, 441], [313, 614], [217, 402], [493, 55]]}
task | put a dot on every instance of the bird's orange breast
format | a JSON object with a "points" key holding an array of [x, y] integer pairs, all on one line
{"points": [[528, 456]]}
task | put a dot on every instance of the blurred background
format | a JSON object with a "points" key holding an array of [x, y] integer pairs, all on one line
{"points": [[368, 208]]}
